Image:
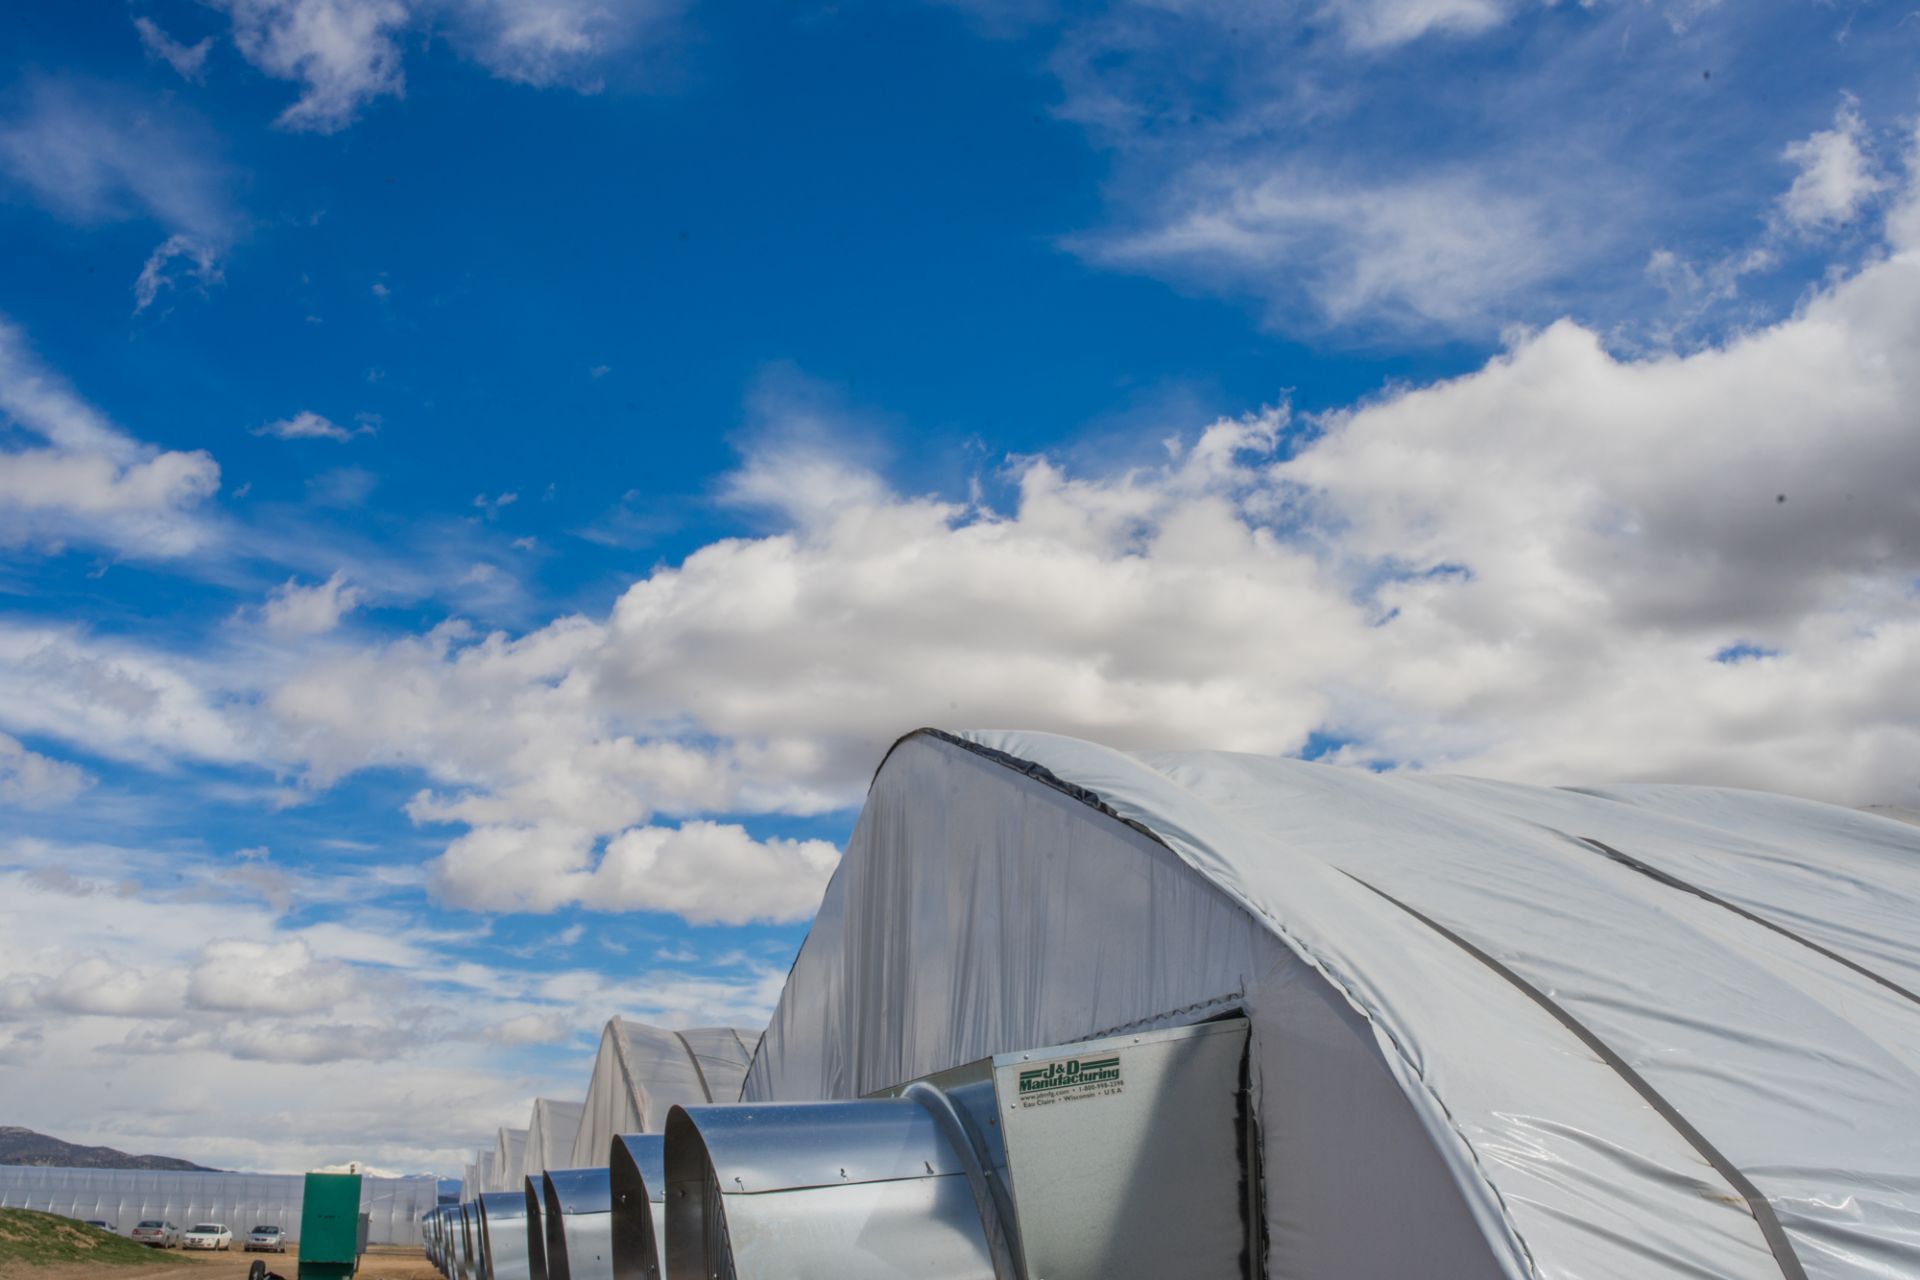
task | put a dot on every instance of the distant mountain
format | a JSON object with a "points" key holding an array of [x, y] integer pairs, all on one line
{"points": [[24, 1146]]}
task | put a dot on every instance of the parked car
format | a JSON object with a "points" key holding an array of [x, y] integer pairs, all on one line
{"points": [[208, 1235], [266, 1239], [103, 1224], [156, 1234]]}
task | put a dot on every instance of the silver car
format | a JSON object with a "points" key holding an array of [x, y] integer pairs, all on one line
{"points": [[156, 1234], [266, 1239], [103, 1224]]}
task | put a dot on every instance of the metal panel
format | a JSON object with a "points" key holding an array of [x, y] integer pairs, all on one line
{"points": [[867, 1190], [579, 1224], [639, 1205], [1129, 1156], [503, 1229], [532, 1190]]}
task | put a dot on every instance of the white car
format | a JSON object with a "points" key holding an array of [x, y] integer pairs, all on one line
{"points": [[208, 1235], [267, 1239]]}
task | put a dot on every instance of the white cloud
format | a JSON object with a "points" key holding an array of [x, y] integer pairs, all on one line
{"points": [[190, 61], [34, 781], [306, 425], [1437, 252], [1449, 576], [294, 610], [93, 482], [259, 977], [1382, 24], [343, 53], [704, 872], [1837, 175], [220, 1010], [200, 262], [117, 700], [91, 154], [553, 42], [530, 1028]]}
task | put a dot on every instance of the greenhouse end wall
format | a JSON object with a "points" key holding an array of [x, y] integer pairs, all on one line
{"points": [[237, 1200]]}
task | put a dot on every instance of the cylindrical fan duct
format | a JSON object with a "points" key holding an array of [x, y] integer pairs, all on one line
{"points": [[639, 1205], [473, 1260], [579, 1230], [503, 1231], [869, 1190], [536, 1227]]}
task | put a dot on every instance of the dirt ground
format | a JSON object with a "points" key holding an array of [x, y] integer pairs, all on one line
{"points": [[382, 1262]]}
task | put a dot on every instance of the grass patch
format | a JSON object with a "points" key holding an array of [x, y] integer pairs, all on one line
{"points": [[40, 1239]]}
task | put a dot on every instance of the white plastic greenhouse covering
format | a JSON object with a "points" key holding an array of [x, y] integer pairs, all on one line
{"points": [[479, 1174], [641, 1072], [550, 1133], [509, 1160], [1625, 1032], [238, 1200]]}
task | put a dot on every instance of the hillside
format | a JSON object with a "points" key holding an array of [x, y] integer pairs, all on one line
{"points": [[24, 1146], [32, 1239]]}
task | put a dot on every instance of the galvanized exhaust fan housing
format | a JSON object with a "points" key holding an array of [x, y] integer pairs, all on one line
{"points": [[536, 1228], [1108, 1160], [579, 1227], [868, 1190], [503, 1232], [472, 1259], [638, 1171]]}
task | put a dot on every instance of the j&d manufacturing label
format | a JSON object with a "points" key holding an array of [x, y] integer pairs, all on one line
{"points": [[1070, 1080]]}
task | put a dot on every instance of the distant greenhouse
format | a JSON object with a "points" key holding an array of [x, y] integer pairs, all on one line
{"points": [[239, 1200]]}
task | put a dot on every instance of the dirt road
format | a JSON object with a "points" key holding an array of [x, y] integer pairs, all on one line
{"points": [[382, 1262]]}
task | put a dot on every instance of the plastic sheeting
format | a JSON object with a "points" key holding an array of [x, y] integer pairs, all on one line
{"points": [[551, 1130], [123, 1197], [1497, 1030], [509, 1161], [642, 1071]]}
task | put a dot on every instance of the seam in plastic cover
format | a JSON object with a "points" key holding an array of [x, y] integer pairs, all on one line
{"points": [[1757, 1203], [1672, 881]]}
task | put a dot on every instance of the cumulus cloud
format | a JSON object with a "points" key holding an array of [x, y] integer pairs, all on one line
{"points": [[704, 872], [91, 481], [294, 610], [255, 977], [1836, 173], [1447, 576], [34, 781], [224, 1011]]}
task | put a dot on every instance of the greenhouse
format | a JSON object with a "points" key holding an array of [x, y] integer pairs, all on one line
{"points": [[1489, 1030], [551, 1130], [123, 1197], [641, 1071]]}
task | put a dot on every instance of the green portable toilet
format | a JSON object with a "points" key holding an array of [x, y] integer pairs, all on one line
{"points": [[333, 1231]]}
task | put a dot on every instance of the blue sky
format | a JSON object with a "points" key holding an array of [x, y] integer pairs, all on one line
{"points": [[484, 480]]}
